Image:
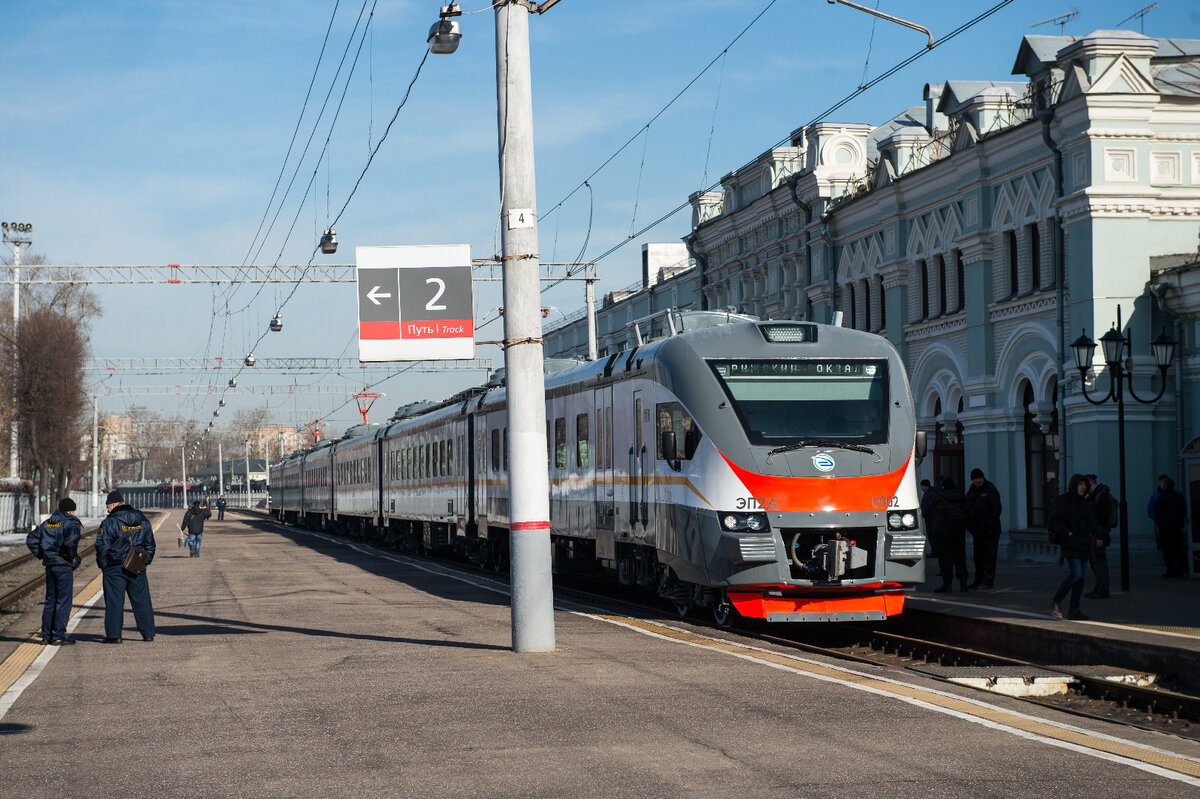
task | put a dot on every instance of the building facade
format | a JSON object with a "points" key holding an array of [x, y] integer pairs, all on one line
{"points": [[982, 232]]}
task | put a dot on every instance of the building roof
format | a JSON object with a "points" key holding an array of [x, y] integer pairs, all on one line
{"points": [[1176, 67], [960, 92]]}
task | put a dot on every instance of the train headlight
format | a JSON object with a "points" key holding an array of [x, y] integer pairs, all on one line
{"points": [[744, 522], [903, 520]]}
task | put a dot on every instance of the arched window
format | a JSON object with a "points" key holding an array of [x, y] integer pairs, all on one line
{"points": [[960, 280], [1035, 257], [1041, 458], [942, 285], [924, 289], [1010, 239], [948, 446], [882, 305]]}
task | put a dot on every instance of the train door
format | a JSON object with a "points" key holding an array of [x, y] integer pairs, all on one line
{"points": [[604, 485], [639, 452], [468, 470]]}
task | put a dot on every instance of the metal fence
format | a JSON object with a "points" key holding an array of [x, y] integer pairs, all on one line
{"points": [[16, 512]]}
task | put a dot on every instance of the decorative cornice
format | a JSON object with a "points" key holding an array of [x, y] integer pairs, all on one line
{"points": [[1119, 133], [922, 331], [1021, 307]]}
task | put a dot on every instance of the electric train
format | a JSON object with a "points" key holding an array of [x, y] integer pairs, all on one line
{"points": [[763, 469]]}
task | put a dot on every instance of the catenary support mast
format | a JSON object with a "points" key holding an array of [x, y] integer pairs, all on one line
{"points": [[528, 477]]}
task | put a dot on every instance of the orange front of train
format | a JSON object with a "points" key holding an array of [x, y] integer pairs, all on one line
{"points": [[801, 480]]}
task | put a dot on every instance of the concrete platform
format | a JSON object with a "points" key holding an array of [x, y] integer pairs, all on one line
{"points": [[288, 665], [1155, 626]]}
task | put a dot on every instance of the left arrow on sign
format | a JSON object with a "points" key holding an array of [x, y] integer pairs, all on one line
{"points": [[375, 292]]}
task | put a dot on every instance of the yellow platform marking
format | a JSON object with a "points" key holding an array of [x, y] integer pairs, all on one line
{"points": [[23, 656], [1068, 735]]}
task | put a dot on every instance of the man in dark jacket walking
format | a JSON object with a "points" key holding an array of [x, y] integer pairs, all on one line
{"points": [[193, 523], [1170, 514], [1072, 526], [221, 504], [1101, 497], [56, 542], [123, 528], [983, 522]]}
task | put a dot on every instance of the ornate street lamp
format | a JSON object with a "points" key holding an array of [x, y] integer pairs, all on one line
{"points": [[1113, 343]]}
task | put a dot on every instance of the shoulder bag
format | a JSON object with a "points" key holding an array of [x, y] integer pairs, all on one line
{"points": [[136, 559]]}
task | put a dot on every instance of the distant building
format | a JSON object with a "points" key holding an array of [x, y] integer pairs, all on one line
{"points": [[981, 233]]}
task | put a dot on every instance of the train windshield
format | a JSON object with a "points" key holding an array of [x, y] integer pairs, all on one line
{"points": [[782, 401]]}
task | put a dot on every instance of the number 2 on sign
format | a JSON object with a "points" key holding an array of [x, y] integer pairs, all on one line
{"points": [[441, 289]]}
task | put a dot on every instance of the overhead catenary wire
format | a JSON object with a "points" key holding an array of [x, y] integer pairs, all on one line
{"points": [[349, 198], [291, 144], [661, 111], [822, 115]]}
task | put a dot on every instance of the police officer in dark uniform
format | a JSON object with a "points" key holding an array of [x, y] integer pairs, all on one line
{"points": [[125, 526], [57, 544]]}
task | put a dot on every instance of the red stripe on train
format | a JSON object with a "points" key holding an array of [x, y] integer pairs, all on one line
{"points": [[819, 493]]}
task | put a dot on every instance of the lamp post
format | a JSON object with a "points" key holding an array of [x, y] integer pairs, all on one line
{"points": [[1114, 344], [528, 481]]}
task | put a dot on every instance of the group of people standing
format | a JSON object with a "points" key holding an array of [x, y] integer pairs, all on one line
{"points": [[950, 515], [56, 543], [1081, 523]]}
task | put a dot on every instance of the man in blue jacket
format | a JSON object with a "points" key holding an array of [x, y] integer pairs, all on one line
{"points": [[124, 527], [56, 542]]}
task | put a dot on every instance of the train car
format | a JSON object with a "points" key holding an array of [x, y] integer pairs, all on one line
{"points": [[761, 469], [355, 469], [424, 481], [316, 486], [285, 488]]}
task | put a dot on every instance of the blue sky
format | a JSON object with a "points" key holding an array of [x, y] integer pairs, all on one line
{"points": [[153, 132]]}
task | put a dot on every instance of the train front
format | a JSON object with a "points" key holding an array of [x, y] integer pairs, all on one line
{"points": [[806, 469]]}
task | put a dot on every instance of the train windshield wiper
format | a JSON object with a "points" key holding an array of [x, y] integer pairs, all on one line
{"points": [[821, 442]]}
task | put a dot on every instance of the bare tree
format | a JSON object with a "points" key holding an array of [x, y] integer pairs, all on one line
{"points": [[45, 367], [59, 306]]}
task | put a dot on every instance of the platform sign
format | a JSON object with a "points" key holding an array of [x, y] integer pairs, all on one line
{"points": [[415, 303]]}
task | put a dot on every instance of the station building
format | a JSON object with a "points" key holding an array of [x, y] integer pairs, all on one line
{"points": [[982, 231]]}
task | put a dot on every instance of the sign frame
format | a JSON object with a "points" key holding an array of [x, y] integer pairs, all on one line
{"points": [[415, 302]]}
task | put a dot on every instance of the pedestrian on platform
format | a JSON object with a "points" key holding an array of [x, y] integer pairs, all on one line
{"points": [[927, 496], [1154, 498], [193, 524], [123, 528], [1170, 514], [983, 522], [1072, 525], [221, 508], [1107, 517], [949, 509], [56, 543]]}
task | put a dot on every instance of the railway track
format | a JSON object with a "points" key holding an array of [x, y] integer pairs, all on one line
{"points": [[27, 563], [1091, 694]]}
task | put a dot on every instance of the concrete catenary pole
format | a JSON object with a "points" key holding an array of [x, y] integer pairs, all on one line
{"points": [[95, 503], [589, 295], [220, 471], [13, 462], [183, 464], [528, 477]]}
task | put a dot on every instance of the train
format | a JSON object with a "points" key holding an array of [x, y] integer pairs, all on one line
{"points": [[747, 468]]}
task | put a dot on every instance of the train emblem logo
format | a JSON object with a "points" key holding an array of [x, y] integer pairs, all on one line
{"points": [[823, 462]]}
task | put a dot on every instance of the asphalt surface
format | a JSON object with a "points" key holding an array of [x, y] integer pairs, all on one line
{"points": [[289, 666]]}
